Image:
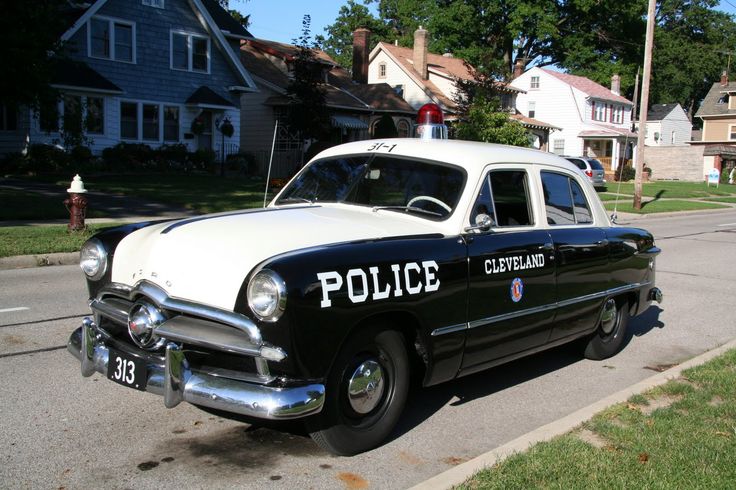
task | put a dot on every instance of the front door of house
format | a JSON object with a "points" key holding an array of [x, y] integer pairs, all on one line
{"points": [[204, 139]]}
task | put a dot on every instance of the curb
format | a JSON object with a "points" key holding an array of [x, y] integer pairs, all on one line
{"points": [[460, 473], [40, 260]]}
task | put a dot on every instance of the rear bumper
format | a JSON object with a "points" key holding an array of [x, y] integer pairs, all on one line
{"points": [[176, 383]]}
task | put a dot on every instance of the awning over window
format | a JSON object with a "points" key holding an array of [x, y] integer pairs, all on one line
{"points": [[347, 122], [207, 98]]}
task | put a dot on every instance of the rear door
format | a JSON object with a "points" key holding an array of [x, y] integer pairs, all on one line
{"points": [[511, 291], [581, 254]]}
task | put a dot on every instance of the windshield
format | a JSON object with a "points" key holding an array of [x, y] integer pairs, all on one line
{"points": [[382, 182]]}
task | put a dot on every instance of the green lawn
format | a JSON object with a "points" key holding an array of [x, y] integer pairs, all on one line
{"points": [[18, 205], [627, 206], [203, 193], [680, 435], [668, 189], [27, 240], [731, 200]]}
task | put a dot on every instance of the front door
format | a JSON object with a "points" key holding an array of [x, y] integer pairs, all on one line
{"points": [[511, 290], [204, 139]]}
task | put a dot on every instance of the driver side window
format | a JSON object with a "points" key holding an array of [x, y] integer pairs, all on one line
{"points": [[504, 197]]}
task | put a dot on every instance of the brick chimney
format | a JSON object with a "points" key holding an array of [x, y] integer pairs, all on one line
{"points": [[361, 44], [420, 52], [616, 84], [724, 78], [518, 69]]}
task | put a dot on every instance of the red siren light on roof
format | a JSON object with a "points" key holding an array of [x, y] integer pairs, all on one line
{"points": [[431, 123]]}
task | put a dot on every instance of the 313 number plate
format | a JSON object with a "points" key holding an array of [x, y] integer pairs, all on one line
{"points": [[127, 370]]}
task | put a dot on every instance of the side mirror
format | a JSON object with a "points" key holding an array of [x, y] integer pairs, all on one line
{"points": [[483, 222]]}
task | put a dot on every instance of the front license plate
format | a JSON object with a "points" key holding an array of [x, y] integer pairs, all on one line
{"points": [[126, 370]]}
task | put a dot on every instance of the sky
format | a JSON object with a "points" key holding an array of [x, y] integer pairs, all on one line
{"points": [[281, 20]]}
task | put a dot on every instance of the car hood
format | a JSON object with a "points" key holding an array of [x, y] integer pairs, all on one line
{"points": [[205, 259]]}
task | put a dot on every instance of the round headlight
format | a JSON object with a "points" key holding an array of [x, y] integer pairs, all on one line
{"points": [[267, 295], [93, 259]]}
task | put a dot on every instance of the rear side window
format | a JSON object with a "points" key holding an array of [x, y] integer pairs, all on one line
{"points": [[564, 201], [505, 198], [579, 163], [595, 164]]}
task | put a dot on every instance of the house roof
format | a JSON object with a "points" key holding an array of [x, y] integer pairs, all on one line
{"points": [[77, 75], [530, 122], [206, 97], [225, 21], [442, 65], [588, 86], [659, 111], [268, 61], [715, 102]]}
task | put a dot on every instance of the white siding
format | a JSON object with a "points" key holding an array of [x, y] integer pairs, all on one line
{"points": [[413, 93]]}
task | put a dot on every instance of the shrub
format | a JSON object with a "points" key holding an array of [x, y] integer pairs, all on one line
{"points": [[626, 173], [128, 156], [204, 159], [243, 163], [172, 157], [12, 163], [46, 158], [724, 175]]}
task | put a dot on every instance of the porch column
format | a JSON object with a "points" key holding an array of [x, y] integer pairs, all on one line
{"points": [[615, 154]]}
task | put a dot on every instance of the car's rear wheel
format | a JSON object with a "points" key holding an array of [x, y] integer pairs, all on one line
{"points": [[366, 393], [608, 338]]}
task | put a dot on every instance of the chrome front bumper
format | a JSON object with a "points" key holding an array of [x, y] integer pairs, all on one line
{"points": [[176, 383]]}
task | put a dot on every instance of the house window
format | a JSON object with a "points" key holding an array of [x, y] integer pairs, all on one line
{"points": [[95, 120], [617, 114], [723, 99], [382, 70], [534, 84], [49, 117], [111, 39], [672, 138], [129, 120], [403, 128], [599, 111], [8, 118], [532, 108], [732, 132], [150, 122], [72, 114], [154, 3], [558, 147], [171, 123], [190, 52], [399, 89]]}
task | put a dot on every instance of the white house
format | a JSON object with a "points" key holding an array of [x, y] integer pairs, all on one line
{"points": [[595, 121], [421, 77], [667, 125]]}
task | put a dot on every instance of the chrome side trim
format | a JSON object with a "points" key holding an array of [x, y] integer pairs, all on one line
{"points": [[539, 309], [176, 382], [450, 329], [162, 300]]}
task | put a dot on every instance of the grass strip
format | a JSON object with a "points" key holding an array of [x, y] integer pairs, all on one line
{"points": [[679, 435], [203, 193], [28, 205], [27, 240], [657, 206], [731, 200], [671, 189]]}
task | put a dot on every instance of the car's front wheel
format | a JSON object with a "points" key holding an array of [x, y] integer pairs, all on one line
{"points": [[366, 393], [608, 338]]}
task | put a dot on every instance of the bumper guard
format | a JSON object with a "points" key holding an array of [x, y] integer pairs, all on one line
{"points": [[176, 383]]}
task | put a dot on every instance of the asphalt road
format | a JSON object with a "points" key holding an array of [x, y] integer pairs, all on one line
{"points": [[58, 429]]}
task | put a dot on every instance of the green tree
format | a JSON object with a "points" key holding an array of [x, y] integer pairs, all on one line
{"points": [[480, 115], [308, 113], [29, 48], [339, 41]]}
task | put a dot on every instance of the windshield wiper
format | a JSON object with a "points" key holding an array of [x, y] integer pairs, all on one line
{"points": [[295, 199], [408, 209]]}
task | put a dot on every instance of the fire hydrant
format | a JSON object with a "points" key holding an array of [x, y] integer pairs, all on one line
{"points": [[76, 204]]}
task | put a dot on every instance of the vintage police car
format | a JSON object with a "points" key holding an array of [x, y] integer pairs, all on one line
{"points": [[380, 260]]}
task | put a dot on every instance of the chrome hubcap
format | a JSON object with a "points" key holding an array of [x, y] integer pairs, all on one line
{"points": [[365, 387], [608, 319]]}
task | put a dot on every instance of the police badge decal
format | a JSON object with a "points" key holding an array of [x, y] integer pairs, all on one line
{"points": [[517, 290]]}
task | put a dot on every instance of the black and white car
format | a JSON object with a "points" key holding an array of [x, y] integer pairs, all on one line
{"points": [[380, 262]]}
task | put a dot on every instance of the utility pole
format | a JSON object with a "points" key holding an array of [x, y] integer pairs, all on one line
{"points": [[644, 106], [634, 117]]}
